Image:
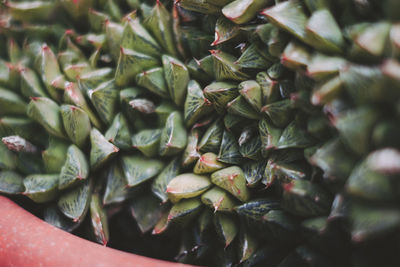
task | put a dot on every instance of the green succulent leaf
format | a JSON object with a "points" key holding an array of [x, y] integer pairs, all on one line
{"points": [[196, 105], [101, 150], [119, 133], [41, 188], [219, 200], [304, 198], [232, 179], [240, 107], [48, 114], [116, 187], [138, 169], [225, 30], [184, 211], [288, 16], [147, 211], [76, 168], [173, 136], [76, 124], [159, 185], [154, 81], [130, 64], [11, 103], [75, 203], [55, 217], [220, 94], [228, 151], [211, 140], [242, 11], [54, 156], [159, 24], [225, 67], [226, 228], [187, 185], [191, 153], [177, 78], [137, 38], [99, 220], [11, 182]]}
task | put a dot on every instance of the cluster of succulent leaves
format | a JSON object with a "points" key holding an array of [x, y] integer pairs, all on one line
{"points": [[257, 132]]}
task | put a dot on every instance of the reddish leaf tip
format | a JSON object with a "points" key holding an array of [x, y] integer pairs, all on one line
{"points": [[288, 187]]}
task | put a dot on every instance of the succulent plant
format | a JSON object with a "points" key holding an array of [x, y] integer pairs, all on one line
{"points": [[255, 133]]}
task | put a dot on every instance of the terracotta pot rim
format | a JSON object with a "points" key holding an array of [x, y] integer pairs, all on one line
{"points": [[26, 240]]}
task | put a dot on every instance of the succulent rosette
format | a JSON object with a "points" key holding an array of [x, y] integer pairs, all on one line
{"points": [[254, 132]]}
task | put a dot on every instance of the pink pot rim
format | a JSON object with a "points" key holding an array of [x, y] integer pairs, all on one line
{"points": [[26, 240]]}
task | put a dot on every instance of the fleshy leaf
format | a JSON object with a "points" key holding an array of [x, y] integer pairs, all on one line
{"points": [[232, 179], [251, 149], [54, 216], [219, 199], [11, 103], [288, 15], [294, 137], [355, 127], [226, 227], [200, 6], [159, 185], [54, 155], [220, 94], [116, 188], [225, 30], [41, 187], [279, 112], [48, 114], [295, 56], [191, 153], [248, 245], [76, 168], [159, 24], [187, 185], [240, 107], [154, 81], [76, 124], [228, 151], [252, 59], [101, 150], [174, 136], [147, 211], [11, 182], [303, 198], [138, 169], [323, 33], [208, 163], [147, 141], [99, 220], [269, 88], [74, 96], [225, 67], [118, 133], [137, 38], [242, 11], [253, 172], [130, 64], [30, 84], [252, 93], [211, 140], [184, 211], [177, 77], [114, 32], [75, 203], [196, 105], [367, 222]]}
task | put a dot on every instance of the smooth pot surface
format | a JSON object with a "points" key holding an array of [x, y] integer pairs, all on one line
{"points": [[25, 240]]}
